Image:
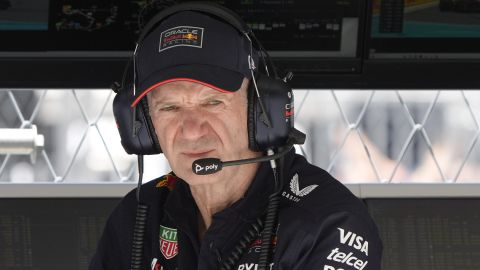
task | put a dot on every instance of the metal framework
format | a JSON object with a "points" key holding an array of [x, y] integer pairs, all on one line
{"points": [[417, 128]]}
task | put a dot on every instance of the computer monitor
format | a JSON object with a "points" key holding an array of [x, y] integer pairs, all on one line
{"points": [[86, 43], [424, 30], [413, 44]]}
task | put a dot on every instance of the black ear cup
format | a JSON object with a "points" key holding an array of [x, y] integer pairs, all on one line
{"points": [[134, 125], [277, 98], [150, 127]]}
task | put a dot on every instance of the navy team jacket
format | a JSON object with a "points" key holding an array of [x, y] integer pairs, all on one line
{"points": [[322, 226]]}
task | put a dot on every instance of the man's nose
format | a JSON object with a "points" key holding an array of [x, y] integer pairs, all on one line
{"points": [[194, 124]]}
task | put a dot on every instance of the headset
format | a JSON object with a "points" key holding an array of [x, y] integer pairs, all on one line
{"points": [[270, 126], [270, 99]]}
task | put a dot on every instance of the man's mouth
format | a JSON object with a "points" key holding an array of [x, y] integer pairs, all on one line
{"points": [[197, 154]]}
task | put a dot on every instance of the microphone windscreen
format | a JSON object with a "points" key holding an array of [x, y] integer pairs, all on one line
{"points": [[206, 166]]}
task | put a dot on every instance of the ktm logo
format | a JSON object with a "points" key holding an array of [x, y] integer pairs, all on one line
{"points": [[295, 187]]}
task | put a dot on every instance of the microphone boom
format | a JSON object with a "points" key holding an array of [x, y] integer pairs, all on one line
{"points": [[207, 166]]}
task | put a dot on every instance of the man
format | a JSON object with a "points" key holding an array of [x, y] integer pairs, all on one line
{"points": [[197, 101]]}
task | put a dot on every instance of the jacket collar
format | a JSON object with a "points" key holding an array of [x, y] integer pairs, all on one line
{"points": [[182, 209]]}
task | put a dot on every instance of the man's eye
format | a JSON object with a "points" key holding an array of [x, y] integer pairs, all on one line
{"points": [[168, 108], [213, 102]]}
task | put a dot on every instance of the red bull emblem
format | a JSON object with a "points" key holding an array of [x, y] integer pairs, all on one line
{"points": [[167, 181]]}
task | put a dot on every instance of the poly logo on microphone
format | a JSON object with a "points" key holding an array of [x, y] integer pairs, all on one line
{"points": [[198, 168], [206, 166], [207, 169]]}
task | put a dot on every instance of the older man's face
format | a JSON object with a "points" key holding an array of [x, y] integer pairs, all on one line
{"points": [[193, 121]]}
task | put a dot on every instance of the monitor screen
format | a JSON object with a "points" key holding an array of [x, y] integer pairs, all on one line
{"points": [[41, 234], [27, 15], [305, 28], [440, 234], [287, 28], [424, 29]]}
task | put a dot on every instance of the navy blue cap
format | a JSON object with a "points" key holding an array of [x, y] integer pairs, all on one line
{"points": [[193, 46]]}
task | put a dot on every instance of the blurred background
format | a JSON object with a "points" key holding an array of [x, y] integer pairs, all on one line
{"points": [[359, 136]]}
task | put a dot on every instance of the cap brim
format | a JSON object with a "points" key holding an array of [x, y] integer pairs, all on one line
{"points": [[217, 78]]}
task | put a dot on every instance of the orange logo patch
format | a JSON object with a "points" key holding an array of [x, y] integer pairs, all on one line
{"points": [[168, 181]]}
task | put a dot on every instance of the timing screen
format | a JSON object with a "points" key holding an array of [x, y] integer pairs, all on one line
{"points": [[426, 19], [307, 28], [425, 29]]}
